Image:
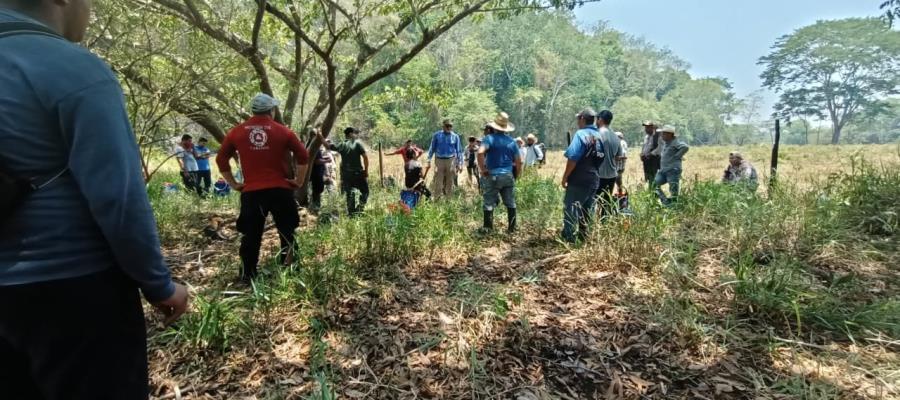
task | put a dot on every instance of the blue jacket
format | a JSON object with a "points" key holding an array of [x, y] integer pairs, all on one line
{"points": [[62, 107]]}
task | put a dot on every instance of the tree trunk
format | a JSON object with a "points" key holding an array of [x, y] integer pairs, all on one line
{"points": [[836, 134]]}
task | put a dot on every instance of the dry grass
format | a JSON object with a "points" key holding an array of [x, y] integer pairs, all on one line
{"points": [[652, 307]]}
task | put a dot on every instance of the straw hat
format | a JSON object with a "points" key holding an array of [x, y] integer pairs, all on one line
{"points": [[531, 137], [501, 123], [668, 129], [649, 123]]}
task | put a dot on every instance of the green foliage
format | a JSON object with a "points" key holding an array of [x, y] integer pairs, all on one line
{"points": [[470, 110], [834, 69], [476, 298], [216, 324]]}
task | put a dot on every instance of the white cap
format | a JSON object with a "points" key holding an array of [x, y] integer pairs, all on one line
{"points": [[263, 102]]}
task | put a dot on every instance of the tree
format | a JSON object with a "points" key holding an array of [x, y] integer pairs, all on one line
{"points": [[834, 69], [699, 108], [891, 10]]}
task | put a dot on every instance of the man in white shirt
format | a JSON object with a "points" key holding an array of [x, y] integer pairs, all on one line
{"points": [[533, 153]]}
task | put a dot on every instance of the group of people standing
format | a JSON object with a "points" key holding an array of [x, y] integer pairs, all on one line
{"points": [[78, 239]]}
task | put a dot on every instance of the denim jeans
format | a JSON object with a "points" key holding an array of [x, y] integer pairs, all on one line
{"points": [[497, 186], [579, 204], [673, 178]]}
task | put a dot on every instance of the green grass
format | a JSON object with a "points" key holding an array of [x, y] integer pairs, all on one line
{"points": [[796, 262]]}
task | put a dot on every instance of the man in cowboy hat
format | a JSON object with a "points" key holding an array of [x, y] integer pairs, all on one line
{"points": [[673, 151], [447, 148], [581, 177], [533, 152], [500, 161], [650, 152]]}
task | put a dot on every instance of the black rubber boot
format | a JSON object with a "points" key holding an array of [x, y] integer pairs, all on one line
{"points": [[488, 221], [511, 220]]}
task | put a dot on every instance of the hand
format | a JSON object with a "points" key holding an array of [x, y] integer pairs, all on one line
{"points": [[458, 170], [184, 172], [366, 174], [485, 172], [176, 305], [237, 186], [565, 182]]}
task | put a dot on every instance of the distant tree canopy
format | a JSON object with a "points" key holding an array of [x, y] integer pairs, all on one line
{"points": [[835, 70], [395, 69]]}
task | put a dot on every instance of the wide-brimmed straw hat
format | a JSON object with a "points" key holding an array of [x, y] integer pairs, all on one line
{"points": [[668, 129], [649, 123], [501, 123]]}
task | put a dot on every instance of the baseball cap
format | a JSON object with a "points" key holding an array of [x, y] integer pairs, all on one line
{"points": [[263, 102]]}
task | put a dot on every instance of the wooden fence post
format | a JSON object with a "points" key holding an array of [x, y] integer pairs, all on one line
{"points": [[380, 165], [773, 170]]}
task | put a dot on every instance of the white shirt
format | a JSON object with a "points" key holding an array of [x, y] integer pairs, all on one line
{"points": [[621, 163], [532, 155]]}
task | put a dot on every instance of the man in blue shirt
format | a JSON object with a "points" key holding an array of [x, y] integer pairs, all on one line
{"points": [[204, 173], [74, 254], [500, 162], [447, 148], [581, 177]]}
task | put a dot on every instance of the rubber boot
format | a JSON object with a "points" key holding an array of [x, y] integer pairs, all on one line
{"points": [[488, 221], [511, 220]]}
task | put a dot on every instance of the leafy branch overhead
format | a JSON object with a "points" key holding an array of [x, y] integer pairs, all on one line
{"points": [[315, 54]]}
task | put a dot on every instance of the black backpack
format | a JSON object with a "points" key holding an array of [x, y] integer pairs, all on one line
{"points": [[14, 190]]}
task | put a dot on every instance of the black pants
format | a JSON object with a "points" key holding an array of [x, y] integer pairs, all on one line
{"points": [[318, 185], [204, 182], [79, 338], [255, 207], [605, 201], [651, 167], [350, 185], [191, 181]]}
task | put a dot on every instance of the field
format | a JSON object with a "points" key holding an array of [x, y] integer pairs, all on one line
{"points": [[790, 294]]}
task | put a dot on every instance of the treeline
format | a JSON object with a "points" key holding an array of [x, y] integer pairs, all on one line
{"points": [[541, 68], [395, 69]]}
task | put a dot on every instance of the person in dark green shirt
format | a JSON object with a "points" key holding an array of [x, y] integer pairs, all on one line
{"points": [[354, 170]]}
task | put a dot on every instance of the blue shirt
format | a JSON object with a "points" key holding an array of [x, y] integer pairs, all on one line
{"points": [[585, 174], [446, 145], [202, 163], [501, 151], [61, 106]]}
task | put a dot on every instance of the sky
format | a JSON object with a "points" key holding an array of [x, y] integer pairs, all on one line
{"points": [[721, 37]]}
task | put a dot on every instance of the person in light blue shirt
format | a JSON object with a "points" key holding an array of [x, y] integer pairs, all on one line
{"points": [[74, 254], [204, 173], [581, 177], [500, 162], [447, 148]]}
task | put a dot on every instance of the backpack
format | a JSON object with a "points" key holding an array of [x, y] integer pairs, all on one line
{"points": [[13, 189], [594, 152], [543, 158]]}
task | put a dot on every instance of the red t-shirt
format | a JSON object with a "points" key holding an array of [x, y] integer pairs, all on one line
{"points": [[262, 145]]}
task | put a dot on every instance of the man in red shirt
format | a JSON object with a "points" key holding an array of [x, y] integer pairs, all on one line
{"points": [[402, 151], [261, 143]]}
